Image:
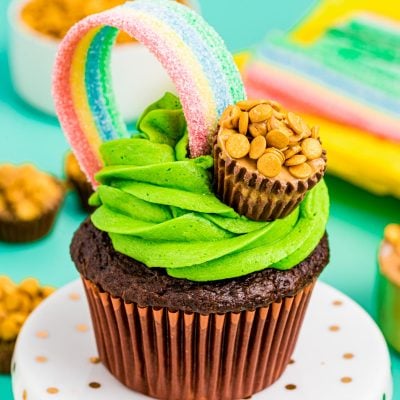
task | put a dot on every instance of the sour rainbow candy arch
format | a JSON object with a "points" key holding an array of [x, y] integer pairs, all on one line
{"points": [[192, 53]]}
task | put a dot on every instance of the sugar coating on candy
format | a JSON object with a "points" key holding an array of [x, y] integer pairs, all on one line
{"points": [[192, 53]]}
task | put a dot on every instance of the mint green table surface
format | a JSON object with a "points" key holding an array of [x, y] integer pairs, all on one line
{"points": [[357, 217]]}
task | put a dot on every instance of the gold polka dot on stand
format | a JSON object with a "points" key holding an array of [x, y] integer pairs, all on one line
{"points": [[290, 386], [337, 303], [24, 395], [346, 379], [41, 359], [74, 296], [82, 328], [42, 334], [94, 360], [52, 390], [348, 356], [334, 328], [95, 385]]}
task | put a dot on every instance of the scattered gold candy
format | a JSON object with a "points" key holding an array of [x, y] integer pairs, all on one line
{"points": [[296, 160], [243, 122], [301, 171], [237, 146], [269, 165], [264, 131], [257, 147], [311, 148], [16, 303], [277, 138]]}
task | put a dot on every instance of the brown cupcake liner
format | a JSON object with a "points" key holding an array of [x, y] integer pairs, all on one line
{"points": [[252, 194], [28, 231], [84, 190], [170, 354], [6, 353]]}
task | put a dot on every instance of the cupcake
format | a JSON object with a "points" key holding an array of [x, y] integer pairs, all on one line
{"points": [[29, 202], [16, 303], [77, 180], [389, 285], [265, 159], [180, 286], [189, 298]]}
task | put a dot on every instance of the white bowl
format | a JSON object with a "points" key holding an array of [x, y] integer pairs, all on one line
{"points": [[138, 78]]}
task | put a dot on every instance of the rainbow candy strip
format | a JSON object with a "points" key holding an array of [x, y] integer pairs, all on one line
{"points": [[192, 53]]}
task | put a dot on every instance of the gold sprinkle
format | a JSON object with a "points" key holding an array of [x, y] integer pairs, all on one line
{"points": [[348, 356], [41, 359], [74, 296], [95, 385], [334, 328], [82, 328], [290, 386], [52, 390], [42, 334], [337, 303], [346, 379], [94, 360]]}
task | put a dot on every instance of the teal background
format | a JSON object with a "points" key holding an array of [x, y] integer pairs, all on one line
{"points": [[357, 217]]}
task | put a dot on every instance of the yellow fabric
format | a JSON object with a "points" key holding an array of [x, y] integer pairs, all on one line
{"points": [[359, 157], [331, 12]]}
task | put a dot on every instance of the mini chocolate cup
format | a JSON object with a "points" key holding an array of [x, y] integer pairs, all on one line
{"points": [[84, 190], [15, 231], [171, 354], [253, 195], [6, 353]]}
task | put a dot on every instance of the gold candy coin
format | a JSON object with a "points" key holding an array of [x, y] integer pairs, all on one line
{"points": [[277, 152], [260, 113], [292, 151], [269, 165], [237, 145], [315, 132], [277, 138], [243, 122], [296, 160], [311, 148], [295, 122], [257, 147], [257, 129], [247, 105], [392, 233], [301, 171]]}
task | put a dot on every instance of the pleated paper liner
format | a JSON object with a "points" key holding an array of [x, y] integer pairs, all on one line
{"points": [[171, 355], [6, 352], [84, 190], [27, 231], [253, 195]]}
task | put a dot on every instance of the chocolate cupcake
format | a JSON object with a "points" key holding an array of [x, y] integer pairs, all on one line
{"points": [[29, 202], [178, 282], [77, 180], [265, 159]]}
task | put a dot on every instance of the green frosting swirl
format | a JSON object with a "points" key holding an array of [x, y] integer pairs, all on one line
{"points": [[158, 208]]}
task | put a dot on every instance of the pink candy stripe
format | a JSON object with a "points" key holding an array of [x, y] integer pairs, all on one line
{"points": [[304, 96], [88, 160], [183, 79]]}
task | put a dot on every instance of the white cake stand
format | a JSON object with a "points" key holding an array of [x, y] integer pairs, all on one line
{"points": [[341, 354]]}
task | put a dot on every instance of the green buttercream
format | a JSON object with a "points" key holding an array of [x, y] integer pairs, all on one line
{"points": [[158, 207]]}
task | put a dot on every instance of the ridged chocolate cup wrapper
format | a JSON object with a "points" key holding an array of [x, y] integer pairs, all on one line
{"points": [[6, 353], [28, 231], [169, 354], [84, 190], [253, 195]]}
